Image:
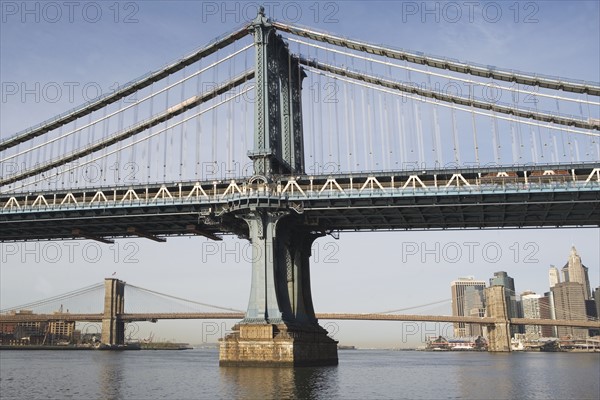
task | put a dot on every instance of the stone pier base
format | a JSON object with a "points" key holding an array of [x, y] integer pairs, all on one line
{"points": [[276, 345], [499, 338]]}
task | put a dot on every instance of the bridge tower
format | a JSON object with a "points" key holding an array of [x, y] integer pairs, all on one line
{"points": [[280, 327], [498, 333], [113, 329]]}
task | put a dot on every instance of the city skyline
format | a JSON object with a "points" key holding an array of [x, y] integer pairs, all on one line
{"points": [[361, 272]]}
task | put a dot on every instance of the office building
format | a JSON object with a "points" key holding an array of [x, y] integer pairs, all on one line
{"points": [[536, 306], [575, 271], [460, 303], [474, 307], [569, 304]]}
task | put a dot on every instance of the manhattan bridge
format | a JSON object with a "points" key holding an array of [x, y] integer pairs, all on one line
{"points": [[281, 134]]}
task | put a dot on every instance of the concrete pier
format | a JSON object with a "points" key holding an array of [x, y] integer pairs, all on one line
{"points": [[276, 345]]}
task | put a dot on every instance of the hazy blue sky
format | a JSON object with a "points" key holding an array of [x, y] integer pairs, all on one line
{"points": [[108, 42]]}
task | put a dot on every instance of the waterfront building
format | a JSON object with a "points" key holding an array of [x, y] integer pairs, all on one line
{"points": [[61, 329]]}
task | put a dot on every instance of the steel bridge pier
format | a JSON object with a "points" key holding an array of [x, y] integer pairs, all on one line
{"points": [[280, 326]]}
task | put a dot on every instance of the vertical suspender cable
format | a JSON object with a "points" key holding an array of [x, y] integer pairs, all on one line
{"points": [[419, 122], [353, 127], [326, 104], [149, 140], [384, 132], [555, 149], [390, 128], [119, 156], [367, 112], [353, 110], [183, 138], [370, 129], [348, 146], [337, 125], [336, 100], [244, 120], [562, 135], [455, 135], [231, 146], [311, 102], [165, 135], [534, 149], [321, 132], [436, 140], [474, 126], [495, 144], [401, 128], [198, 132], [215, 119]]}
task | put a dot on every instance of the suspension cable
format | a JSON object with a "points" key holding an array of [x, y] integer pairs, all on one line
{"points": [[182, 299], [431, 73], [445, 104], [139, 140], [135, 104], [62, 296], [124, 90], [117, 138], [532, 79], [523, 113]]}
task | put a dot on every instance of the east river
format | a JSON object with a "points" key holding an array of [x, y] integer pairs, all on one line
{"points": [[361, 374]]}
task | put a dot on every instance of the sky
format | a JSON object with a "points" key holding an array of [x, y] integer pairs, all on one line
{"points": [[101, 43]]}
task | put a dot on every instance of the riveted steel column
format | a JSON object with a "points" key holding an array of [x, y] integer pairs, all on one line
{"points": [[298, 277], [263, 306], [266, 115], [278, 142], [296, 76]]}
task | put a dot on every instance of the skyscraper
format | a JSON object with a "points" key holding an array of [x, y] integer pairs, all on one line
{"points": [[575, 271], [474, 307], [532, 309], [546, 312], [569, 303], [459, 301], [553, 276], [552, 313], [501, 278]]}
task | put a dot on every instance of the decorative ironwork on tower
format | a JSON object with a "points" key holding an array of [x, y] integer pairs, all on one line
{"points": [[278, 141]]}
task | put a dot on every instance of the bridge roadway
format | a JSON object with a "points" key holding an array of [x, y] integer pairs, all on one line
{"points": [[495, 197], [153, 317]]}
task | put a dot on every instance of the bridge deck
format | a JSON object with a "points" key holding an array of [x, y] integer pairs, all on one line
{"points": [[153, 317], [486, 198]]}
